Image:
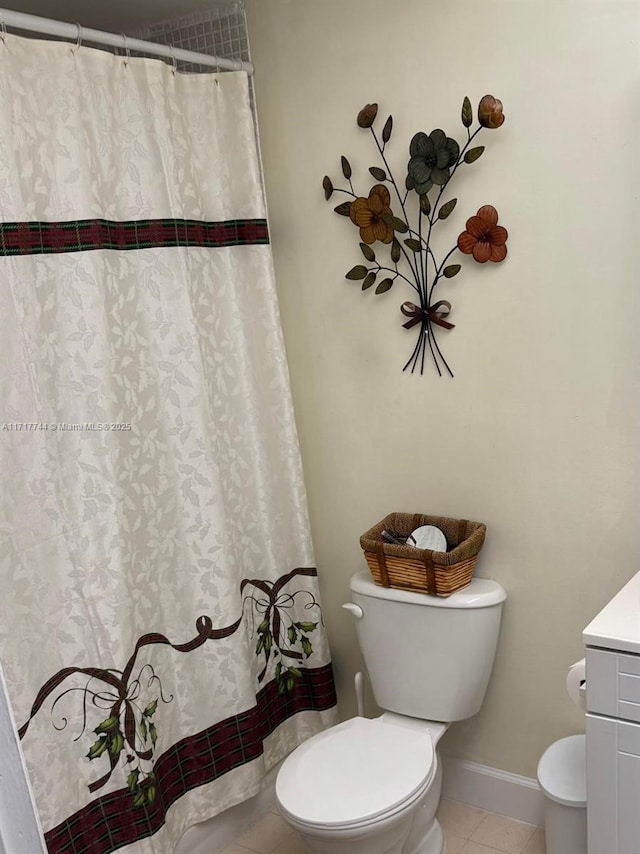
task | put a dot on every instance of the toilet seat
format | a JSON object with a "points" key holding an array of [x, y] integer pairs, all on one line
{"points": [[357, 773]]}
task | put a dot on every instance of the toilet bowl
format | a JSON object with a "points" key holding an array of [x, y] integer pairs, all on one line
{"points": [[372, 786], [365, 786]]}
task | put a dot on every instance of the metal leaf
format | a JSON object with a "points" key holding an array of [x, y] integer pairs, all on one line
{"points": [[369, 280], [346, 167], [467, 112], [451, 271], [368, 252], [378, 174], [413, 244], [395, 223], [395, 251], [384, 286], [447, 209], [357, 272], [343, 209], [473, 154], [327, 187], [386, 130], [425, 204], [408, 182]]}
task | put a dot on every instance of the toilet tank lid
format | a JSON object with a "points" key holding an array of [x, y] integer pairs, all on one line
{"points": [[480, 593]]}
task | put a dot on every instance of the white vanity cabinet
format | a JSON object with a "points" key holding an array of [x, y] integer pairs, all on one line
{"points": [[612, 642]]}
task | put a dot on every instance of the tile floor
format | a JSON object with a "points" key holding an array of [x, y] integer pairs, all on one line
{"points": [[467, 830]]}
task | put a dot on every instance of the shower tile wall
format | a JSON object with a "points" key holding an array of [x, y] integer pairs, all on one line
{"points": [[220, 31]]}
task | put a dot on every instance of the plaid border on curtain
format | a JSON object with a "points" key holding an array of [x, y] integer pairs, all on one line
{"points": [[37, 238]]}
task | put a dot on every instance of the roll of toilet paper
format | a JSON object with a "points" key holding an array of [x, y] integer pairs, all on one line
{"points": [[576, 682]]}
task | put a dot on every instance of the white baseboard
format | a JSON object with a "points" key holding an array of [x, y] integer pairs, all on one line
{"points": [[490, 789]]}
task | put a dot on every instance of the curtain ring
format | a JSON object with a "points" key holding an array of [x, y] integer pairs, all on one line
{"points": [[173, 59], [79, 39], [127, 52]]}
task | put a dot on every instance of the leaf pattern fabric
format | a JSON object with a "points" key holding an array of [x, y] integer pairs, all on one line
{"points": [[159, 467]]}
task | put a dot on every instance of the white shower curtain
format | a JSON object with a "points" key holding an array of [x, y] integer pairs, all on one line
{"points": [[160, 626]]}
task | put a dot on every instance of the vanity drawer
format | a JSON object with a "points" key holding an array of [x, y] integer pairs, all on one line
{"points": [[613, 684]]}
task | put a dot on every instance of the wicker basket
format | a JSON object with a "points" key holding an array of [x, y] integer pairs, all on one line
{"points": [[423, 570]]}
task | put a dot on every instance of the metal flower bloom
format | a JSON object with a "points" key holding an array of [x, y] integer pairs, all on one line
{"points": [[367, 115], [484, 238], [490, 113], [368, 215], [432, 157]]}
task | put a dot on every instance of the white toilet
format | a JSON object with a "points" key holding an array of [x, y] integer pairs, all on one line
{"points": [[372, 786]]}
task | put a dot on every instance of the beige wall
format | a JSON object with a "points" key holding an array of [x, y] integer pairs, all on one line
{"points": [[537, 435]]}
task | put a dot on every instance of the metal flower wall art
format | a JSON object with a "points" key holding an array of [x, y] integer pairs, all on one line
{"points": [[396, 227]]}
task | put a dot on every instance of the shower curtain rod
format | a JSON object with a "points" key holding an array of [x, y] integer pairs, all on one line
{"points": [[60, 29]]}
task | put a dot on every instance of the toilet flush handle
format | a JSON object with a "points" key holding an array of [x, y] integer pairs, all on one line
{"points": [[356, 610]]}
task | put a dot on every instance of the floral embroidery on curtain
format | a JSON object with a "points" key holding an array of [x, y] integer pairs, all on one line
{"points": [[130, 699]]}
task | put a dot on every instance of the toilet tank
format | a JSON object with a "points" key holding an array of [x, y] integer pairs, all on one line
{"points": [[428, 657]]}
